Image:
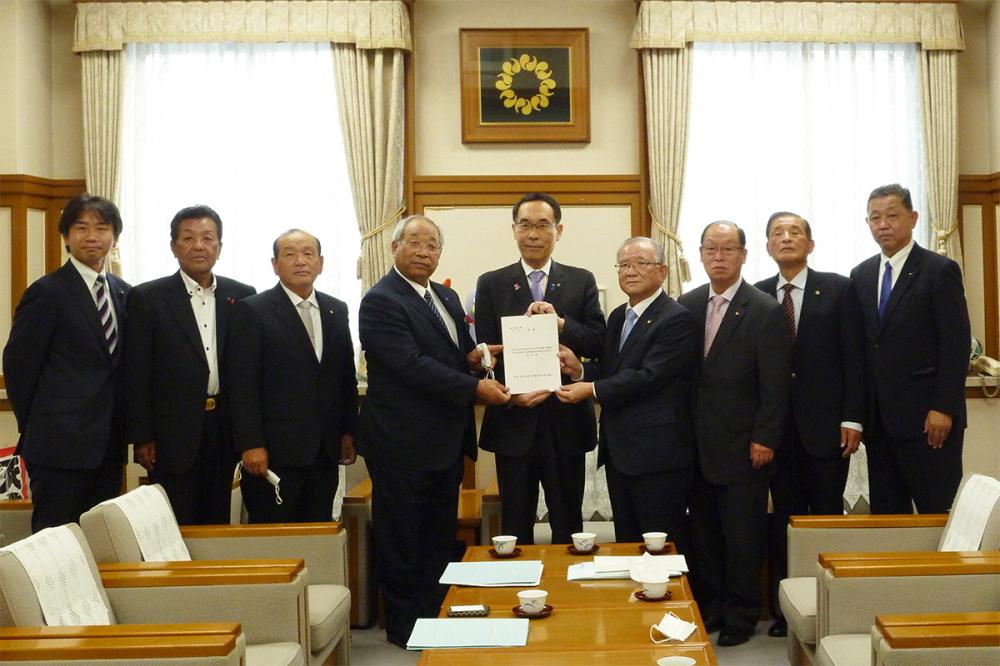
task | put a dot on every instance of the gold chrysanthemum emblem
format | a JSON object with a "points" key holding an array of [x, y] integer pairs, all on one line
{"points": [[525, 65]]}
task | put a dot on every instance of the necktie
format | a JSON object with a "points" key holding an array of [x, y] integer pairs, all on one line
{"points": [[430, 304], [883, 297], [789, 307], [713, 320], [307, 321], [535, 277], [104, 313], [630, 317]]}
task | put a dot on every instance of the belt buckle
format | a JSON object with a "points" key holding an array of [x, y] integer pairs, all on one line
{"points": [[209, 404]]}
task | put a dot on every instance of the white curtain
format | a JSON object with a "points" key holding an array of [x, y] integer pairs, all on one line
{"points": [[251, 130], [939, 93], [810, 128], [370, 94]]}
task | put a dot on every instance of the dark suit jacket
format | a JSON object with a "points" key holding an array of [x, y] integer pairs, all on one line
{"points": [[742, 389], [645, 389], [573, 292], [917, 357], [417, 413], [280, 396], [64, 384], [167, 371], [827, 380]]}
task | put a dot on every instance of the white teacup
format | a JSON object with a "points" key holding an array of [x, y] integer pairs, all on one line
{"points": [[584, 541], [655, 588], [504, 544], [655, 541], [532, 601]]}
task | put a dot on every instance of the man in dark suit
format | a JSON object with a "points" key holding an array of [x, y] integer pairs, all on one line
{"points": [[741, 399], [643, 381], [537, 438], [826, 407], [177, 419], [417, 421], [62, 365], [292, 388], [916, 328]]}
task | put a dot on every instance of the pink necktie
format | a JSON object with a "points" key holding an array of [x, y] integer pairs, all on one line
{"points": [[713, 320]]}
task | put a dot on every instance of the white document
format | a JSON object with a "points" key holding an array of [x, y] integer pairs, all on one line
{"points": [[650, 567], [609, 563], [531, 353], [674, 628], [586, 571], [522, 573], [468, 633], [970, 513]]}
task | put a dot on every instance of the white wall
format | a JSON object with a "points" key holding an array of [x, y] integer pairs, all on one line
{"points": [[613, 107]]}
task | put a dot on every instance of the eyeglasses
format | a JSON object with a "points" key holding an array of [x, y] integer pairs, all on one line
{"points": [[727, 252], [639, 266], [416, 246], [527, 227]]}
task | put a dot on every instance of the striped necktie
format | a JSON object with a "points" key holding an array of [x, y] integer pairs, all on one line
{"points": [[104, 313], [430, 304], [789, 308]]}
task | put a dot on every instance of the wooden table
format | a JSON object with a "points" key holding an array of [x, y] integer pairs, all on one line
{"points": [[593, 622]]}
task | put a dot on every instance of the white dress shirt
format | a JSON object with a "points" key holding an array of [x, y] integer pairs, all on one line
{"points": [[896, 261], [203, 305], [89, 276], [313, 312]]}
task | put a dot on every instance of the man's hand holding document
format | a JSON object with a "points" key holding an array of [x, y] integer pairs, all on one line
{"points": [[531, 353]]}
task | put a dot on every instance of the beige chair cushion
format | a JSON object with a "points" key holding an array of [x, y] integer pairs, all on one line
{"points": [[110, 535], [845, 650], [797, 597], [329, 610], [275, 654], [19, 605]]}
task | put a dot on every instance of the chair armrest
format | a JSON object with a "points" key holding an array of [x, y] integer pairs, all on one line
{"points": [[356, 515], [322, 545], [940, 630], [208, 643], [359, 494], [885, 559], [267, 598], [15, 520], [810, 535], [490, 526]]}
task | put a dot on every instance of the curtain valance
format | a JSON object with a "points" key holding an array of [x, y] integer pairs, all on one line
{"points": [[673, 23], [368, 24]]}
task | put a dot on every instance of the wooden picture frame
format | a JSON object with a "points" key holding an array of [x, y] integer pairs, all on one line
{"points": [[508, 98]]}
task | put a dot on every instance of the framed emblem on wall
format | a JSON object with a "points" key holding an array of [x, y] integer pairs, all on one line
{"points": [[525, 85]]}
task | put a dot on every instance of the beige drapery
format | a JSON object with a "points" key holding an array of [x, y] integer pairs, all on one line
{"points": [[370, 95], [369, 37], [939, 95], [665, 28], [667, 74]]}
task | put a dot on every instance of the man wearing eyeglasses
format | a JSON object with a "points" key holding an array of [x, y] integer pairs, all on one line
{"points": [[417, 422], [536, 438], [826, 402], [740, 404], [643, 381]]}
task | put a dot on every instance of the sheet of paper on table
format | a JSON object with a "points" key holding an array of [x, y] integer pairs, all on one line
{"points": [[522, 573], [530, 353], [586, 571], [469, 632]]}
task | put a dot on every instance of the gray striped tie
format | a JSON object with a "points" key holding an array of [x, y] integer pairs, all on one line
{"points": [[104, 312]]}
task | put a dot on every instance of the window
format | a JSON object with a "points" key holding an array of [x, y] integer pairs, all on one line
{"points": [[251, 130], [808, 128]]}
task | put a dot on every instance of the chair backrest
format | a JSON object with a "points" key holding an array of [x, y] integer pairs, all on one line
{"points": [[19, 605], [991, 533], [111, 534]]}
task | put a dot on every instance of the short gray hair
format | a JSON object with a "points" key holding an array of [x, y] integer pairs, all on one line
{"points": [[661, 256], [400, 229]]}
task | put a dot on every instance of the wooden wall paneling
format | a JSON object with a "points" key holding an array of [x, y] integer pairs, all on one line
{"points": [[984, 191]]}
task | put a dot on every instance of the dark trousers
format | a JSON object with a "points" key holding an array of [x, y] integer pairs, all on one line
{"points": [[61, 496], [306, 493], [561, 476], [904, 472], [729, 531], [200, 495], [653, 502], [802, 485], [414, 517]]}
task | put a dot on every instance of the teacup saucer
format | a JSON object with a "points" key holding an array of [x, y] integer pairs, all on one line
{"points": [[573, 551], [643, 549], [641, 596], [545, 612], [503, 556]]}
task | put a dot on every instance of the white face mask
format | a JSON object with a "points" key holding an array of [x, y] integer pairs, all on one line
{"points": [[270, 477], [672, 628]]}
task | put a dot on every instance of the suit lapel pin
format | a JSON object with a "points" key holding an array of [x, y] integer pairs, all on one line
{"points": [[232, 300], [330, 311], [736, 313], [817, 292], [517, 285]]}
